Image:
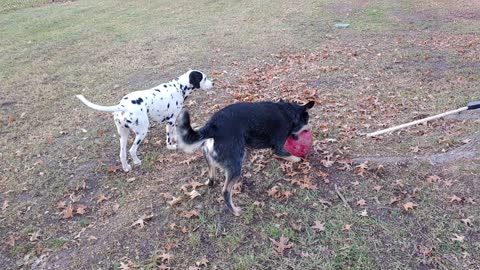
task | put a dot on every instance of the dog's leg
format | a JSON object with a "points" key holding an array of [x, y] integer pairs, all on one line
{"points": [[123, 133], [171, 138], [283, 154], [141, 130], [212, 171], [232, 176]]}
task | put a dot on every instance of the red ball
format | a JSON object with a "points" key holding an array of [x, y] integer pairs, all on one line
{"points": [[301, 146]]}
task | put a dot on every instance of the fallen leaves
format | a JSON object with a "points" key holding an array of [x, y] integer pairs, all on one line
{"points": [[361, 168], [202, 262], [189, 214], [193, 194], [454, 198], [68, 212], [377, 188], [458, 238], [347, 227], [319, 226], [361, 202], [395, 199], [101, 197], [281, 245], [304, 183], [141, 221], [81, 209], [113, 168], [409, 206], [165, 257], [5, 205], [276, 193], [175, 201], [468, 221], [432, 179]]}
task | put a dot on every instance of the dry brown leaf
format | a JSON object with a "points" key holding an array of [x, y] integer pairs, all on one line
{"points": [[377, 188], [319, 226], [203, 262], [281, 245], [193, 194], [321, 174], [433, 179], [468, 221], [237, 189], [448, 183], [361, 168], [415, 149], [399, 183], [287, 194], [189, 214], [327, 163], [454, 198], [273, 192], [409, 206], [259, 204], [175, 201], [347, 227], [39, 247], [458, 238], [5, 205], [34, 236], [364, 213], [195, 184], [11, 119], [113, 168], [425, 251], [361, 202], [141, 221], [167, 195], [394, 199], [296, 227], [68, 212], [81, 209], [101, 197], [470, 200], [166, 257]]}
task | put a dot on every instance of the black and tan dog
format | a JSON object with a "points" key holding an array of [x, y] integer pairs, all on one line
{"points": [[224, 137]]}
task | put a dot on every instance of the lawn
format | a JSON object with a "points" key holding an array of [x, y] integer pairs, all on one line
{"points": [[407, 200]]}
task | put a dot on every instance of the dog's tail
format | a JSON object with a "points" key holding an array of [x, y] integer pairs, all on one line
{"points": [[189, 139], [116, 108]]}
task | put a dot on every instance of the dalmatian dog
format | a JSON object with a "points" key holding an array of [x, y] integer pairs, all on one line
{"points": [[161, 104]]}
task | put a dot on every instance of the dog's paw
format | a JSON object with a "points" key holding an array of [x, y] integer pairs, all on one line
{"points": [[171, 146], [127, 168], [237, 211], [210, 182], [137, 161]]}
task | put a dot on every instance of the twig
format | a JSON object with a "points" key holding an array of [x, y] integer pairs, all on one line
{"points": [[345, 203], [196, 228]]}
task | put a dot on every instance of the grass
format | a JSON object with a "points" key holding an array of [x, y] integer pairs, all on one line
{"points": [[396, 60]]}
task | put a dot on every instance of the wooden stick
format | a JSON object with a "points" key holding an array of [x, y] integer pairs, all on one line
{"points": [[345, 203], [373, 134]]}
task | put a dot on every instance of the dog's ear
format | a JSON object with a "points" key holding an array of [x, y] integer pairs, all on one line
{"points": [[309, 105], [195, 78]]}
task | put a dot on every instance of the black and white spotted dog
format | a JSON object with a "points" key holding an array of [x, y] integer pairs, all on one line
{"points": [[161, 104]]}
